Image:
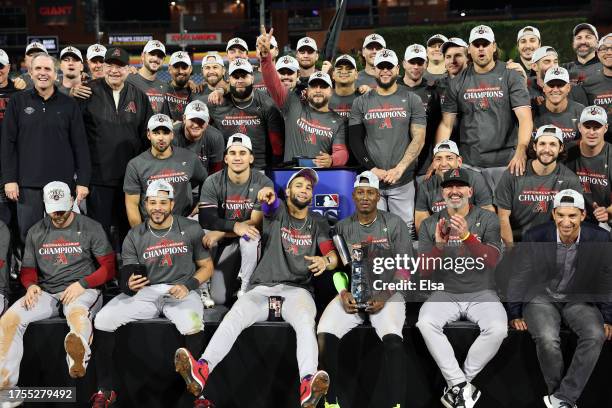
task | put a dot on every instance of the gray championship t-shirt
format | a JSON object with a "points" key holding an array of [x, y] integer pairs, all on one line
{"points": [[342, 104], [579, 72], [177, 99], [5, 240], [387, 120], [529, 197], [63, 256], [363, 78], [210, 148], [488, 128], [598, 88], [567, 120], [170, 254], [155, 90], [182, 170]]}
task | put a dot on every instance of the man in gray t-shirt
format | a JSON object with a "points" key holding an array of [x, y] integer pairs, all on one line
{"points": [[146, 79], [598, 86]]}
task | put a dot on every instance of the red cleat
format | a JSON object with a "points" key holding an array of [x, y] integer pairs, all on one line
{"points": [[195, 373], [103, 399], [312, 388], [203, 403]]}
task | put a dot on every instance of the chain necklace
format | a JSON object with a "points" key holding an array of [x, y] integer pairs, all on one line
{"points": [[160, 236], [296, 228], [369, 224], [235, 102]]}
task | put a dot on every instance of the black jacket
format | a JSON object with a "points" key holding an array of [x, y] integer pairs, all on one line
{"points": [[536, 266], [115, 135], [44, 141]]}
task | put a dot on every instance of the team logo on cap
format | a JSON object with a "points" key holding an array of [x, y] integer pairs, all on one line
{"points": [[481, 30], [97, 49], [116, 53], [286, 61], [385, 54], [157, 44], [161, 119], [455, 173], [556, 71], [197, 107], [180, 55], [56, 194], [306, 41], [373, 37], [595, 111], [416, 49]]}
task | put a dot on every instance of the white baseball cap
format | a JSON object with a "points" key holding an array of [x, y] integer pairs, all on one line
{"points": [[453, 42], [568, 198], [237, 42], [306, 42], [320, 76], [239, 139], [287, 62], [212, 58], [415, 51], [347, 58], [586, 26], [159, 185], [273, 42], [370, 180], [542, 52], [437, 38], [594, 113], [446, 146], [153, 45], [159, 120], [96, 50], [549, 130], [56, 196], [559, 73], [374, 38], [482, 32], [73, 51], [180, 56], [528, 30], [603, 39], [197, 110], [240, 64], [306, 172], [36, 46], [386, 55], [4, 59]]}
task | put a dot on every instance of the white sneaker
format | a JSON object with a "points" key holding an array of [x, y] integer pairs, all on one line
{"points": [[553, 402], [207, 300]]}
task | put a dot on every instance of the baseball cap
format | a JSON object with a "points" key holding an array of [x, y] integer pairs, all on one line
{"points": [[347, 58], [385, 55], [559, 73], [482, 32], [415, 51], [306, 42], [159, 120], [153, 45], [240, 64], [118, 55], [306, 172], [541, 53], [568, 198], [586, 26], [180, 56], [436, 38], [457, 175], [528, 30], [370, 180], [453, 42], [197, 110], [159, 185], [237, 42], [320, 76], [603, 39], [549, 130], [95, 50], [287, 62], [239, 139], [4, 59], [71, 51], [594, 113], [446, 146], [374, 38], [33, 46], [56, 196], [212, 58]]}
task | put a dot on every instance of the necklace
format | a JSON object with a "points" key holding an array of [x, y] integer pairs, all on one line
{"points": [[369, 224], [235, 103], [160, 236], [296, 228]]}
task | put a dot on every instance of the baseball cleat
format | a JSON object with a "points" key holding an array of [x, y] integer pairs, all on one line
{"points": [[312, 388], [75, 355], [195, 373], [103, 399], [203, 403]]}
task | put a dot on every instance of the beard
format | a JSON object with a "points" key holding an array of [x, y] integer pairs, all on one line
{"points": [[299, 204], [455, 206], [213, 82], [182, 81], [318, 105], [248, 90], [71, 75], [551, 160], [164, 215], [583, 54], [389, 85]]}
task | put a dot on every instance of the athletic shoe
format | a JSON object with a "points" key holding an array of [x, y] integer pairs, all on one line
{"points": [[195, 373], [312, 388], [467, 397], [207, 300], [203, 403], [76, 355], [103, 399], [554, 402], [450, 395], [548, 402]]}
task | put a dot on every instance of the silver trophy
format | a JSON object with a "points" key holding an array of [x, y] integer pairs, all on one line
{"points": [[360, 287]]}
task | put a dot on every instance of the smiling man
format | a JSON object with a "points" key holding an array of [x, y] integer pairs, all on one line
{"points": [[527, 41], [146, 80], [178, 93], [435, 58], [584, 44], [95, 60], [344, 74], [288, 69], [598, 86], [366, 78]]}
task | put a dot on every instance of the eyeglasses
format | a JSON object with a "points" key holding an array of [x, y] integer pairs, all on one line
{"points": [[605, 49]]}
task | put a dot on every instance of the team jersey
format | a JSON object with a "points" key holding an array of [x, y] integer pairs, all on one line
{"points": [[177, 98], [154, 89], [342, 104], [258, 82], [598, 88], [363, 78], [210, 148], [579, 72], [429, 77], [170, 254], [567, 120], [442, 85]]}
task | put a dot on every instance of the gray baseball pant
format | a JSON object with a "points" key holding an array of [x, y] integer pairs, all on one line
{"points": [[399, 201]]}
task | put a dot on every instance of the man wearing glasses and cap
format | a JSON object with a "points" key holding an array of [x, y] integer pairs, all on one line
{"points": [[344, 74], [146, 80], [527, 41], [297, 247], [435, 58], [366, 79], [598, 86], [584, 44]]}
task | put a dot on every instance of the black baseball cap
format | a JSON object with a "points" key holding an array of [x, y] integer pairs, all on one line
{"points": [[458, 175], [117, 55]]}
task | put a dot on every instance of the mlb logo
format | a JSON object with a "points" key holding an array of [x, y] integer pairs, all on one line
{"points": [[327, 200]]}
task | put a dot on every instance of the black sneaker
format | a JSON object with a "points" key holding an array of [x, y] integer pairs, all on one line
{"points": [[450, 395]]}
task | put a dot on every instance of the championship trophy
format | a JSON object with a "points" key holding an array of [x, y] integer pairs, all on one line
{"points": [[360, 288]]}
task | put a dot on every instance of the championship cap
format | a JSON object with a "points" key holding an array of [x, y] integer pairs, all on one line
{"points": [[594, 114], [158, 186], [4, 59], [457, 175], [118, 55], [603, 39], [568, 198], [240, 64], [482, 32], [542, 52], [212, 58], [347, 58], [153, 45], [197, 110], [95, 50], [239, 139], [436, 38], [35, 46], [549, 130], [415, 51], [320, 76], [366, 179], [237, 42], [71, 51], [374, 38], [386, 55], [453, 42], [287, 62], [159, 120], [306, 42], [180, 56], [528, 30], [559, 73], [56, 196], [306, 172], [586, 26], [446, 146]]}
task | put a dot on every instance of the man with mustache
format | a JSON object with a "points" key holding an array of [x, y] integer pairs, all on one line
{"points": [[177, 166], [366, 79], [288, 68], [71, 65], [307, 55], [297, 247], [435, 58], [146, 80], [527, 41], [344, 74], [598, 86], [178, 92], [584, 44], [213, 72], [524, 201]]}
